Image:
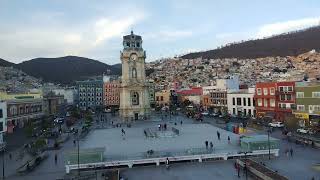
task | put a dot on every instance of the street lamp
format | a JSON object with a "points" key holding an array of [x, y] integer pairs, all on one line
{"points": [[245, 163], [78, 154], [269, 142], [3, 150]]}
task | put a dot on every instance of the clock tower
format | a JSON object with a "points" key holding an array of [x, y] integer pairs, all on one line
{"points": [[134, 94]]}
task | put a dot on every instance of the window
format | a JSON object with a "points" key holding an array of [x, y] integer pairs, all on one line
{"points": [[135, 98], [161, 98], [157, 98], [259, 91], [249, 101], [234, 101], [310, 107], [1, 113], [272, 103], [259, 102], [300, 94], [245, 112], [265, 103], [283, 97], [138, 44], [282, 105], [244, 102], [281, 88], [316, 108], [249, 112], [265, 91], [234, 111], [290, 88], [272, 91], [1, 126], [300, 107], [316, 94], [239, 101], [289, 97]]}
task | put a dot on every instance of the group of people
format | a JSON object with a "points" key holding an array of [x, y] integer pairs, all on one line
{"points": [[162, 127], [287, 151]]}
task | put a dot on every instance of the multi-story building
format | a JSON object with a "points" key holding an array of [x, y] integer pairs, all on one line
{"points": [[219, 101], [241, 103], [112, 93], [20, 111], [52, 103], [274, 99], [90, 94], [308, 102], [3, 119], [69, 94], [162, 98]]}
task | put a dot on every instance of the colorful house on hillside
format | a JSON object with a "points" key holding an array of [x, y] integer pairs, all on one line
{"points": [[274, 100], [308, 102]]}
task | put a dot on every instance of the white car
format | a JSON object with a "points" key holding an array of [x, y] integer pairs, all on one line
{"points": [[205, 113], [304, 131], [276, 124]]}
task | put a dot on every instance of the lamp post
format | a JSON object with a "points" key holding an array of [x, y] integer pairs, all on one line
{"points": [[269, 142], [78, 148], [3, 146]]}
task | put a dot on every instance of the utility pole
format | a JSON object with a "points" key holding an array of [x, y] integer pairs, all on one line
{"points": [[78, 156], [3, 150], [269, 142]]}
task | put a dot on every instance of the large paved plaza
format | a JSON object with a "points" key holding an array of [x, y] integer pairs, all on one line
{"points": [[193, 135], [134, 143]]}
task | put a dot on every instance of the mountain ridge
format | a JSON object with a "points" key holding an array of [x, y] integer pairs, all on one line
{"points": [[286, 44]]}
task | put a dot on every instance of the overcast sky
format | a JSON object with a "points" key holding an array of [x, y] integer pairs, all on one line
{"points": [[94, 28]]}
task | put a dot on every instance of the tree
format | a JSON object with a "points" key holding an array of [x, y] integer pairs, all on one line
{"points": [[292, 123]]}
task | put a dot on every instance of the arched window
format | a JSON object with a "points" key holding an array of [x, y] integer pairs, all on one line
{"points": [[135, 98], [134, 72]]}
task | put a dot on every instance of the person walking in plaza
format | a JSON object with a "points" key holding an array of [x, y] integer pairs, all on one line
{"points": [[211, 145], [291, 152], [206, 143], [10, 156], [167, 163], [181, 122], [228, 139], [56, 159], [218, 134]]}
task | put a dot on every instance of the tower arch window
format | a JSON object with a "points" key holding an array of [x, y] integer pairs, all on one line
{"points": [[135, 98]]}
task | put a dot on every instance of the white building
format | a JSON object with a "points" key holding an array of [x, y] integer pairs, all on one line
{"points": [[241, 103], [68, 94], [3, 118]]}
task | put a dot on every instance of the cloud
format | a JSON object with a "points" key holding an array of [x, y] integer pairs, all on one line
{"points": [[60, 38], [108, 28], [282, 27], [168, 35]]}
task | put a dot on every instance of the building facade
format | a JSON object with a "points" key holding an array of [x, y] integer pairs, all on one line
{"points": [[90, 94], [52, 103], [274, 100], [219, 101], [20, 111], [162, 98], [69, 94], [3, 120], [112, 93], [308, 102], [134, 93], [241, 103]]}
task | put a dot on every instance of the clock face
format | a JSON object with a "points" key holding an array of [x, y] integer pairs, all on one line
{"points": [[133, 57]]}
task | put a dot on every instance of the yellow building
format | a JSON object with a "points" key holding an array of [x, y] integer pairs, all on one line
{"points": [[162, 97]]}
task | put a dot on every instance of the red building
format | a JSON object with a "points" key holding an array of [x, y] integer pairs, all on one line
{"points": [[112, 93], [274, 100]]}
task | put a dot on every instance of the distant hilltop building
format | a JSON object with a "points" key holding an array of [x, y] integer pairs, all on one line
{"points": [[134, 91]]}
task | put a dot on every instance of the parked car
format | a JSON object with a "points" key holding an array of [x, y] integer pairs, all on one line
{"points": [[276, 124], [304, 131], [205, 113], [214, 114]]}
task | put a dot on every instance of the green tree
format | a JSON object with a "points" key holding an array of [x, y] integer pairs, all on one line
{"points": [[292, 123]]}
